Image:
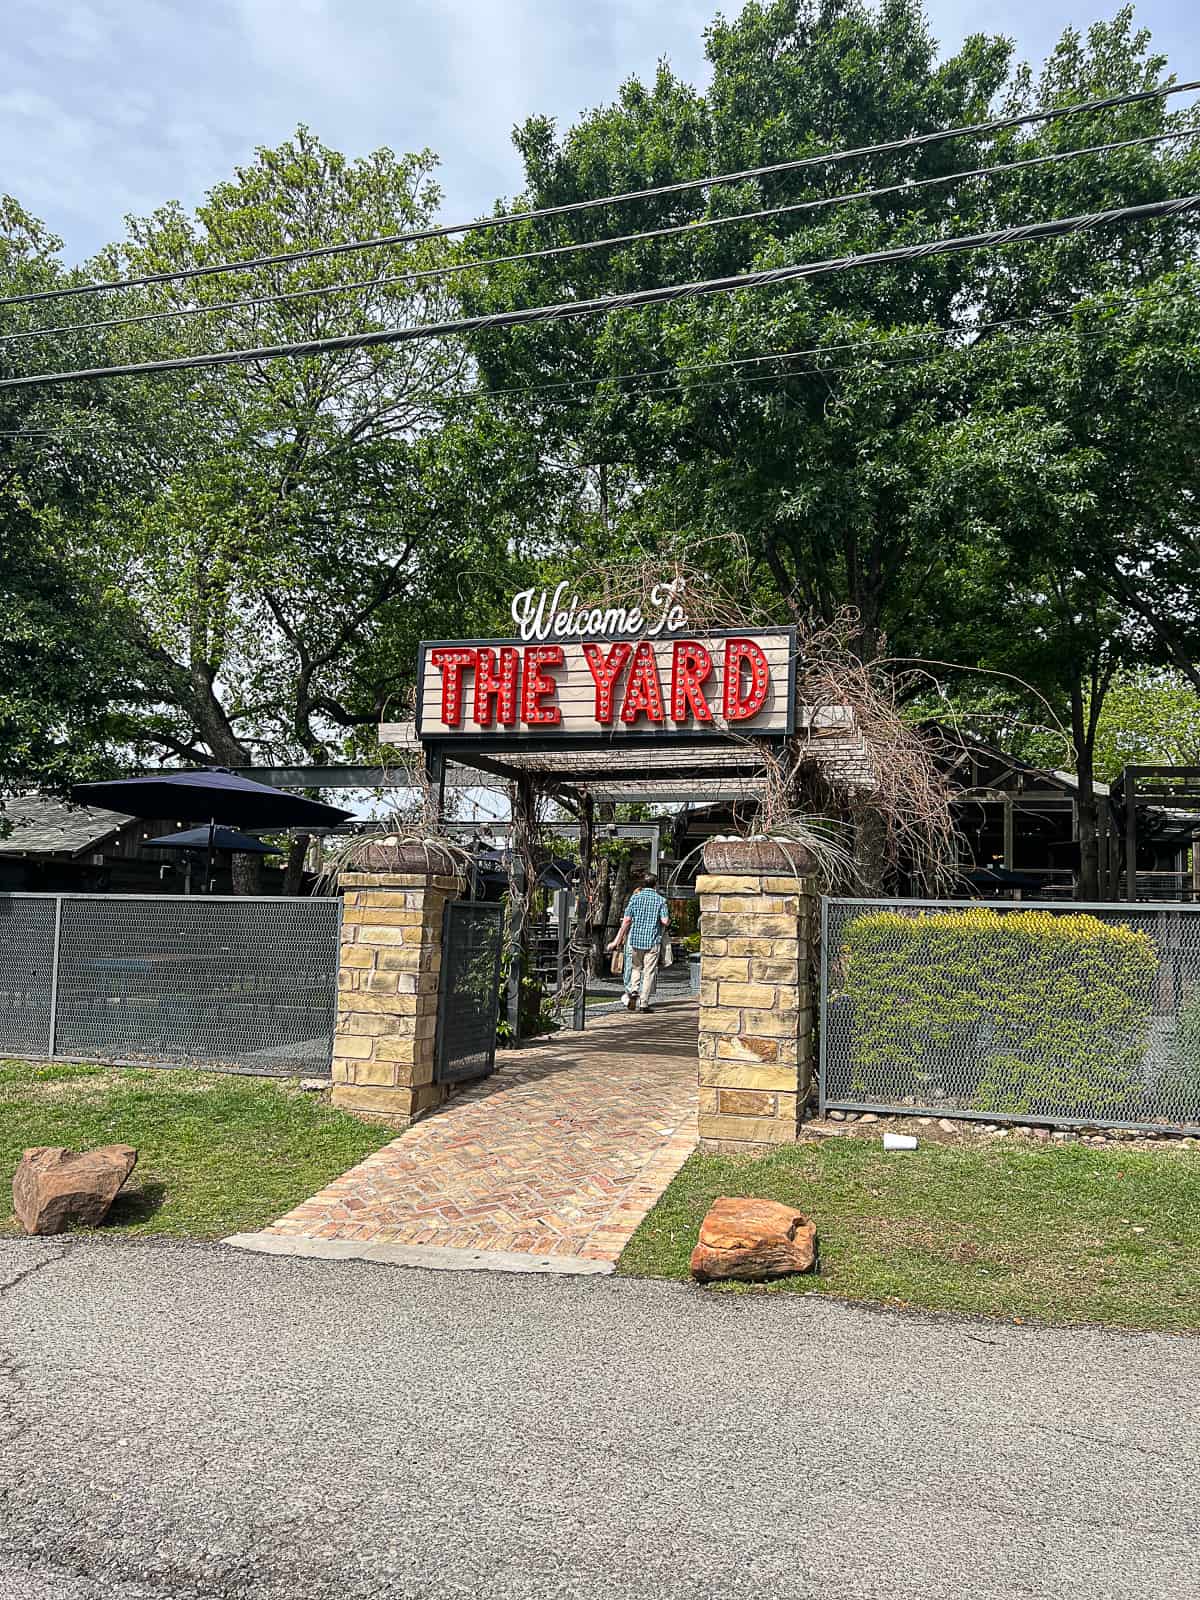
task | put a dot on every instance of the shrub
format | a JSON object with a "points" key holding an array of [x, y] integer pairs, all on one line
{"points": [[1026, 1012]]}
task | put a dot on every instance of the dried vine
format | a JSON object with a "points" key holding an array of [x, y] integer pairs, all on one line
{"points": [[858, 786]]}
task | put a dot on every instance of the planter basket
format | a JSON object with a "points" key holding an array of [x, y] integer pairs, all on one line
{"points": [[775, 857], [431, 858]]}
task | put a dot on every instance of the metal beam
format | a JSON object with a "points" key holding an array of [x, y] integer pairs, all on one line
{"points": [[398, 777], [646, 832]]}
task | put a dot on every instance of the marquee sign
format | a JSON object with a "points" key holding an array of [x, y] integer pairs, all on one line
{"points": [[569, 676]]}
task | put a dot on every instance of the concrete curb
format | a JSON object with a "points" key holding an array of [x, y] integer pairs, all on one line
{"points": [[430, 1257]]}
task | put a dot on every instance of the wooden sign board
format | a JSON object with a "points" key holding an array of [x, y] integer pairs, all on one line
{"points": [[608, 690]]}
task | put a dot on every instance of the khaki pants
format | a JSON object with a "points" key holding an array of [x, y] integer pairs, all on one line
{"points": [[644, 973]]}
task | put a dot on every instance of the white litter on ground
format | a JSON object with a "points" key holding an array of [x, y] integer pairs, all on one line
{"points": [[899, 1141]]}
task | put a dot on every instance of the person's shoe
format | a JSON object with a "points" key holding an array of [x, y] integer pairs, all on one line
{"points": [[627, 1001], [644, 1011]]}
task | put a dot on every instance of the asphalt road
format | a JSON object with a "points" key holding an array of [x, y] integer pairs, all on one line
{"points": [[179, 1422]]}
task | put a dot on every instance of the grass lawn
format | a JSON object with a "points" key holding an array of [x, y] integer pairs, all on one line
{"points": [[218, 1154], [1056, 1233]]}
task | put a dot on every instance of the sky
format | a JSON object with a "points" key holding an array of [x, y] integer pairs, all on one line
{"points": [[111, 107]]}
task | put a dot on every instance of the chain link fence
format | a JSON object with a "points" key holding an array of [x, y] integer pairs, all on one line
{"points": [[1066, 1015], [237, 983]]}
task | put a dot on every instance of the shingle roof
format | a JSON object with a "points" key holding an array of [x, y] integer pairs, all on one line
{"points": [[41, 825]]}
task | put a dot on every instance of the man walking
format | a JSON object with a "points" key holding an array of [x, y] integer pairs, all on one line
{"points": [[645, 921]]}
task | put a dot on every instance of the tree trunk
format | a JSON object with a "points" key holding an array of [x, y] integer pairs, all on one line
{"points": [[870, 852], [293, 873], [1087, 886], [598, 933], [246, 871], [620, 893], [1087, 821]]}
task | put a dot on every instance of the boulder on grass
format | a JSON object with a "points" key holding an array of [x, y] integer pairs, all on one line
{"points": [[55, 1188], [753, 1239]]}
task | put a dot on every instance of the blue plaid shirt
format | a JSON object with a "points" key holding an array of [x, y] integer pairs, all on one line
{"points": [[646, 910]]}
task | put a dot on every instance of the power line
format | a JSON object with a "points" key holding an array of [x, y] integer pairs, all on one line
{"points": [[909, 186], [417, 236], [1036, 324], [738, 380], [570, 309]]}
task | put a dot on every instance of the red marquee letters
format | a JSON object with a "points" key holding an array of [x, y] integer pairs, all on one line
{"points": [[643, 691], [450, 664], [605, 671], [514, 685], [738, 704], [691, 667], [537, 685], [495, 687]]}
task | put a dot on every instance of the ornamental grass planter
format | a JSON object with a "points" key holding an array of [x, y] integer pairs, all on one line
{"points": [[425, 857], [761, 856]]}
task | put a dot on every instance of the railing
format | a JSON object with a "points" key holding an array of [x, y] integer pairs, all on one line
{"points": [[1065, 1015], [241, 983]]}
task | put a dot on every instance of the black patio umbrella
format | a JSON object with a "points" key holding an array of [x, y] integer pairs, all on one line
{"points": [[222, 839], [213, 793]]}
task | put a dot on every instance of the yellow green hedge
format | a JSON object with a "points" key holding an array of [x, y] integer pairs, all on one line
{"points": [[1028, 1012]]}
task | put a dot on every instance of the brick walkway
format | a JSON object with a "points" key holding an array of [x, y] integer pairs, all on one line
{"points": [[560, 1153]]}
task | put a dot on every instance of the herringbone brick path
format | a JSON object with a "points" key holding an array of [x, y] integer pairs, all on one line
{"points": [[561, 1152]]}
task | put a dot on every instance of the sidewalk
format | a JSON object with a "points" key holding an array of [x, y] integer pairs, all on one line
{"points": [[548, 1165]]}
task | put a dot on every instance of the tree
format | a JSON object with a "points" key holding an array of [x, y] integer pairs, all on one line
{"points": [[935, 458], [310, 518], [1150, 718], [60, 675]]}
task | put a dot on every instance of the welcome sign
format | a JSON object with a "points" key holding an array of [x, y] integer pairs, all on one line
{"points": [[577, 672]]}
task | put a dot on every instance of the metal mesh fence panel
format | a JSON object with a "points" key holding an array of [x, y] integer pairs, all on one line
{"points": [[26, 973], [242, 983], [1065, 1014], [469, 990]]}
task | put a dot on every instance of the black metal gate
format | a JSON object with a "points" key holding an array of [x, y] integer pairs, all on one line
{"points": [[469, 992]]}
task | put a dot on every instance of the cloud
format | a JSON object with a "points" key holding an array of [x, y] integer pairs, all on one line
{"points": [[117, 106]]}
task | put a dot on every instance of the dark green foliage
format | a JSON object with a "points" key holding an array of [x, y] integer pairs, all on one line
{"points": [[1032, 1013]]}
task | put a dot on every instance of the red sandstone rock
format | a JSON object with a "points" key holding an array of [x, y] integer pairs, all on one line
{"points": [[53, 1187], [753, 1239]]}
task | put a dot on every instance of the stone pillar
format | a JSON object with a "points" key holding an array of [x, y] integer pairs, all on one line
{"points": [[756, 1008], [391, 960]]}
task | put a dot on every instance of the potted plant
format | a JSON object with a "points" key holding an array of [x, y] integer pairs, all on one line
{"points": [[415, 841], [796, 848], [410, 849]]}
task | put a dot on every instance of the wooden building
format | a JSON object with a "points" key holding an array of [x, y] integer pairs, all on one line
{"points": [[53, 847]]}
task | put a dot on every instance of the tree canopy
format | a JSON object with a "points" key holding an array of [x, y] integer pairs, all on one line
{"points": [[985, 458]]}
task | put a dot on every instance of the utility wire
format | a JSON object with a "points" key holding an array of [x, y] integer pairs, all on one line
{"points": [[829, 158], [737, 380], [570, 309], [908, 186], [1036, 324]]}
